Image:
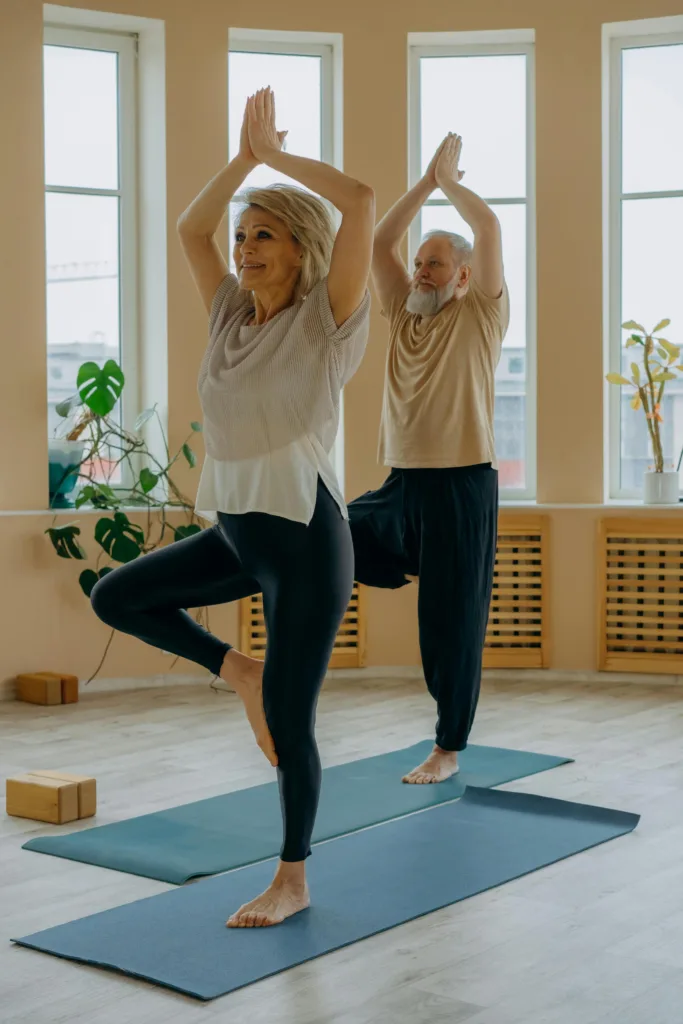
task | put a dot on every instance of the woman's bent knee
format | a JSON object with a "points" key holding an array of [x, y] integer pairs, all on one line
{"points": [[106, 599]]}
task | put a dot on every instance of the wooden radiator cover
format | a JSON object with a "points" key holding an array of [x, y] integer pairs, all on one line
{"points": [[349, 647], [640, 595], [517, 632]]}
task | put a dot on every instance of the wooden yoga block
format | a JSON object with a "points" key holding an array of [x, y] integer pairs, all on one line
{"points": [[47, 688], [43, 799], [87, 789]]}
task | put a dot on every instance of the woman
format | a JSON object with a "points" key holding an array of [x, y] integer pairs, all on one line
{"points": [[285, 335]]}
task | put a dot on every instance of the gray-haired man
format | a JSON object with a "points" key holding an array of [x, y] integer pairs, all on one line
{"points": [[435, 517]]}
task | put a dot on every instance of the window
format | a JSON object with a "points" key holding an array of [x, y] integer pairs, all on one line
{"points": [[302, 78], [495, 117], [645, 210], [90, 184]]}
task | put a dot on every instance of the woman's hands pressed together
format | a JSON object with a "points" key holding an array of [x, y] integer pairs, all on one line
{"points": [[259, 131]]}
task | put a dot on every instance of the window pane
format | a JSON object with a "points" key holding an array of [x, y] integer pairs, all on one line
{"points": [[652, 267], [82, 242], [652, 115], [81, 117], [483, 99], [296, 82], [511, 373]]}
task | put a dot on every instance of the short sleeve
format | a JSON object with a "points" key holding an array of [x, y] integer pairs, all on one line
{"points": [[348, 341], [396, 305], [319, 300], [493, 314], [228, 300]]}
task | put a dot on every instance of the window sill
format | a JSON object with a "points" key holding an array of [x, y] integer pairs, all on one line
{"points": [[630, 504], [85, 511]]}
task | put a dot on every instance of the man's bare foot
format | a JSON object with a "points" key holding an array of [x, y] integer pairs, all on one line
{"points": [[438, 767], [245, 676], [287, 895]]}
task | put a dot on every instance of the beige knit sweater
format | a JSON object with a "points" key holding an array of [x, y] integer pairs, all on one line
{"points": [[266, 385]]}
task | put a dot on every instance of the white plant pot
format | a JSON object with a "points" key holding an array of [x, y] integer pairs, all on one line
{"points": [[661, 488]]}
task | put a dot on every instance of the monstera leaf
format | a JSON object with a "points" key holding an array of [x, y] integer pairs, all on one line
{"points": [[121, 539], [89, 578], [182, 532], [64, 541], [100, 388]]}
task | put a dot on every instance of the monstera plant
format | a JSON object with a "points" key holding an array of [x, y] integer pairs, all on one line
{"points": [[116, 471]]}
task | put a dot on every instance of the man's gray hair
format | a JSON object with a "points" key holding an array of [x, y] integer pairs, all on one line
{"points": [[461, 247]]}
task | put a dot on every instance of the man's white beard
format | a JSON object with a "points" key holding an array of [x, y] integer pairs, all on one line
{"points": [[429, 303]]}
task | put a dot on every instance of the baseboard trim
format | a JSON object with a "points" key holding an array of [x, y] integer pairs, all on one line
{"points": [[377, 672]]}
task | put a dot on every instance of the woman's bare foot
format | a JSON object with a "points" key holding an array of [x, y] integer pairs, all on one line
{"points": [[245, 676], [287, 895], [438, 767]]}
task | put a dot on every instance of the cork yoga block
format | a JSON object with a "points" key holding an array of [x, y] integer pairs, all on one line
{"points": [[52, 796], [52, 800], [47, 688]]}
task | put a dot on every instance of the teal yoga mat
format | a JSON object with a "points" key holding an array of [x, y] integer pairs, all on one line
{"points": [[229, 831], [360, 884]]}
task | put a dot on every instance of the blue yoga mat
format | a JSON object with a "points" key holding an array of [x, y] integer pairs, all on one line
{"points": [[361, 884], [244, 827]]}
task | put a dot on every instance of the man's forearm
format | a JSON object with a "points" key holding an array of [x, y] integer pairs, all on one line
{"points": [[393, 226], [471, 207]]}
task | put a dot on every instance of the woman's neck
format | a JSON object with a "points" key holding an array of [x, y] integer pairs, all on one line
{"points": [[268, 304]]}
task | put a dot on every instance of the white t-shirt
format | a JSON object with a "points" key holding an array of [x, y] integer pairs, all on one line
{"points": [[282, 483]]}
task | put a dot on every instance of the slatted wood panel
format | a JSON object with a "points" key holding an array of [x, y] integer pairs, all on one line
{"points": [[517, 632], [640, 589], [349, 647]]}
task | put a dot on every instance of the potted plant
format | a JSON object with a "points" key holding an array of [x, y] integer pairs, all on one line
{"points": [[649, 378], [96, 449]]}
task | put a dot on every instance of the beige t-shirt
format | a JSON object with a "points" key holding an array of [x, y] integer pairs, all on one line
{"points": [[439, 383]]}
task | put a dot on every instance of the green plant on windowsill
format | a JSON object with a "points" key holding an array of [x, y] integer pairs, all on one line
{"points": [[104, 450], [660, 364]]}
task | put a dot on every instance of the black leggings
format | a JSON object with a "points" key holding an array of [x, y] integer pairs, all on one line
{"points": [[306, 576]]}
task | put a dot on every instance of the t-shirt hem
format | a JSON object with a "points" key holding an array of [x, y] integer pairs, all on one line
{"points": [[438, 463]]}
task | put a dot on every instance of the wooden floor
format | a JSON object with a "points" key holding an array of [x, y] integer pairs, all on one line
{"points": [[596, 938]]}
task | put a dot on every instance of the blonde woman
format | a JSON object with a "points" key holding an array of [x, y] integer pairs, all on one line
{"points": [[285, 334]]}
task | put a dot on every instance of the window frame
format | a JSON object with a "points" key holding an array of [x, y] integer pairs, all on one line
{"points": [[614, 200], [125, 45], [476, 45]]}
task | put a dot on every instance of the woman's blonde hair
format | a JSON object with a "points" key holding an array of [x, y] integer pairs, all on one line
{"points": [[309, 221]]}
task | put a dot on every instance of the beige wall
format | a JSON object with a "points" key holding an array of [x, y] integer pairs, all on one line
{"points": [[46, 622]]}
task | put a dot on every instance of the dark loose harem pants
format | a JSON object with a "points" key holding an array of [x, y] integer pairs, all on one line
{"points": [[440, 525]]}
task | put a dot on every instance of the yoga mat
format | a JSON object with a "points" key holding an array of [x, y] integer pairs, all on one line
{"points": [[361, 884], [229, 831]]}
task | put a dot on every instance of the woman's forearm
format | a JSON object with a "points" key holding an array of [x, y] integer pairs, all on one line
{"points": [[394, 224], [205, 213], [339, 189]]}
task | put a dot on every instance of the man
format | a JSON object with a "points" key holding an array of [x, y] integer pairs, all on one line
{"points": [[435, 517]]}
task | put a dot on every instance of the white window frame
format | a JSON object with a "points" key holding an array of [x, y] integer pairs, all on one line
{"points": [[489, 45], [329, 49], [616, 39], [126, 47]]}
